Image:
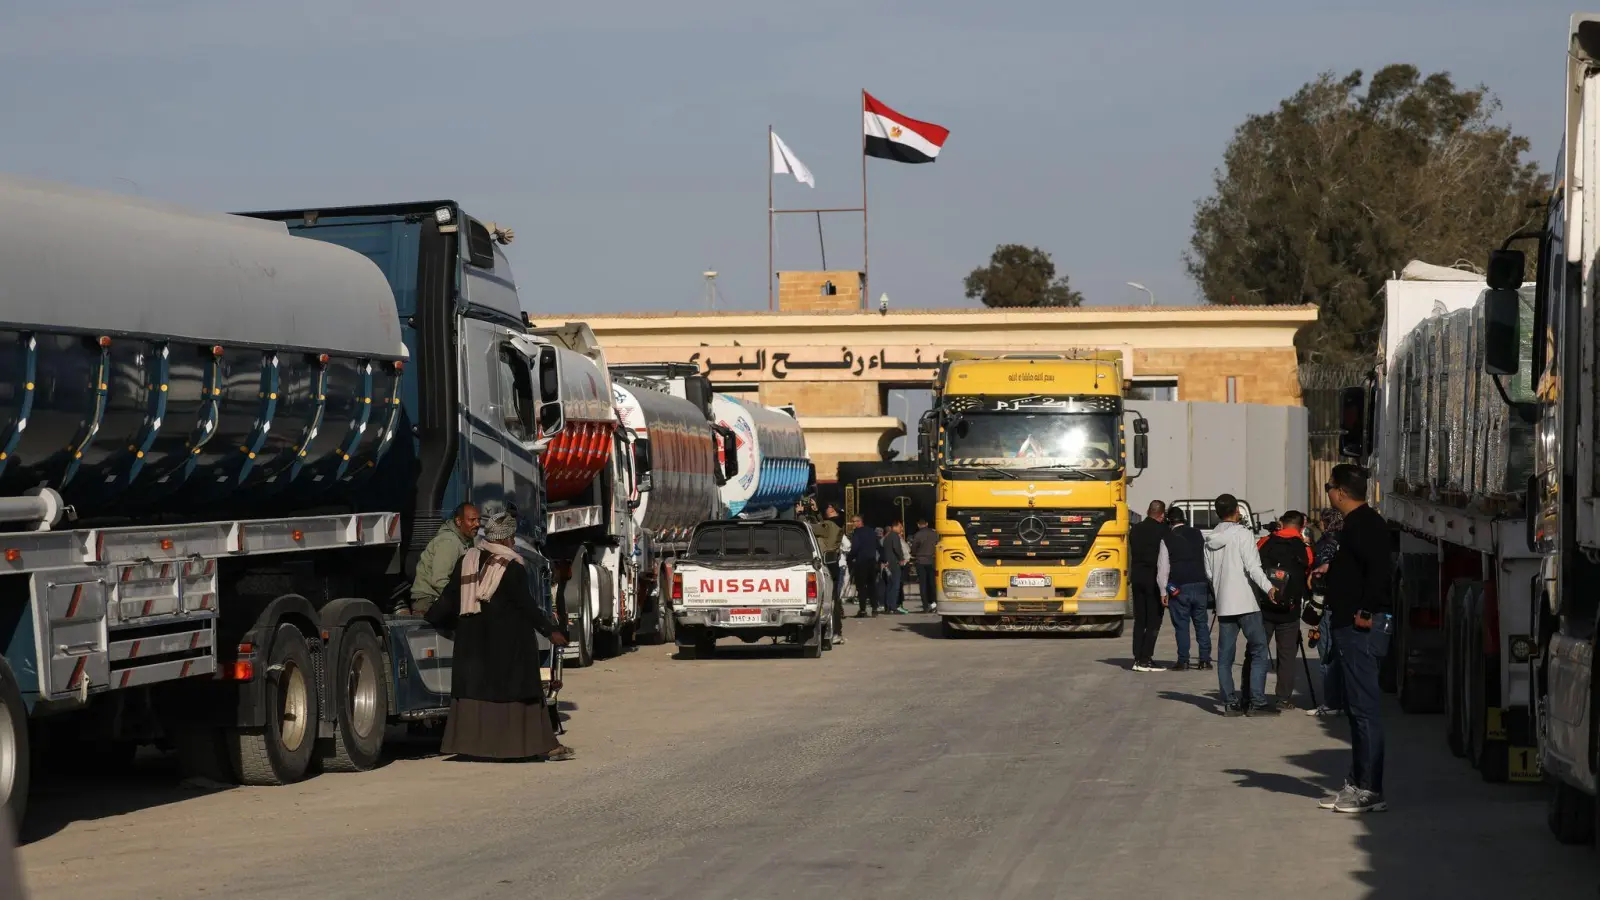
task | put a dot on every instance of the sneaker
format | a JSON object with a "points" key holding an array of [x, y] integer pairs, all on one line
{"points": [[1203, 665], [1265, 709], [1286, 705], [1335, 797], [902, 611], [1139, 666], [838, 640], [1178, 667], [1232, 710], [1322, 711], [1359, 801]]}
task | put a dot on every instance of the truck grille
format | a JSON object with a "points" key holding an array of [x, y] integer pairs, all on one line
{"points": [[1025, 534]]}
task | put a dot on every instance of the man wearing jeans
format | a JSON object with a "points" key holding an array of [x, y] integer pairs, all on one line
{"points": [[1360, 613], [1235, 571], [924, 544], [1186, 589]]}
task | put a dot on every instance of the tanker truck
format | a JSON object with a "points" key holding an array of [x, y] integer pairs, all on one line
{"points": [[592, 486], [217, 443], [773, 471], [680, 453]]}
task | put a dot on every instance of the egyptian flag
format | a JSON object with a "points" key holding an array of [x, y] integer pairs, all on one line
{"points": [[891, 135]]}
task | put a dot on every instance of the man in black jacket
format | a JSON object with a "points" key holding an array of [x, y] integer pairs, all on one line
{"points": [[1146, 546], [865, 558], [1187, 589], [1358, 587]]}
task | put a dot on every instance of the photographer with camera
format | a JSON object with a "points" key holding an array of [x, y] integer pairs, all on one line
{"points": [[1360, 614], [1318, 617]]}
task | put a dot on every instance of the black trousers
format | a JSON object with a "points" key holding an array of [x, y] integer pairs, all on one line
{"points": [[865, 578], [1147, 615]]}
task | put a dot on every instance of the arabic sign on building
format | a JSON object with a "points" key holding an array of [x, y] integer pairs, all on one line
{"points": [[799, 362]]}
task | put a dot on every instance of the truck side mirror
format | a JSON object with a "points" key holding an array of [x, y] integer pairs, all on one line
{"points": [[1141, 425], [552, 416], [1507, 270], [1141, 450], [1355, 422], [730, 451], [926, 429], [643, 466], [1501, 308]]}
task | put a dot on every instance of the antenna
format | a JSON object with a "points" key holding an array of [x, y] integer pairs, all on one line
{"points": [[711, 288]]}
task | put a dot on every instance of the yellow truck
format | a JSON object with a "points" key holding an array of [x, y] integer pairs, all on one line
{"points": [[1032, 511]]}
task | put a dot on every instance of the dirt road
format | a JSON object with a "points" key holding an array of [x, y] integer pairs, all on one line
{"points": [[899, 765]]}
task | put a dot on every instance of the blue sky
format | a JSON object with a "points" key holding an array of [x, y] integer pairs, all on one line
{"points": [[625, 140]]}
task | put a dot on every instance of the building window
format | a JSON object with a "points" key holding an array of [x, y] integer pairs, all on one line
{"points": [[1154, 387], [1233, 389]]}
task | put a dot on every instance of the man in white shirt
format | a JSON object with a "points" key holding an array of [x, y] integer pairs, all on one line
{"points": [[1234, 568]]}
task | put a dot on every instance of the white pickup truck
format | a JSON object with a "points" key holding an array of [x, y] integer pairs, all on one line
{"points": [[752, 579]]}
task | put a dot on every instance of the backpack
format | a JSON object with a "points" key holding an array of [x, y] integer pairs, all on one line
{"points": [[1284, 559]]}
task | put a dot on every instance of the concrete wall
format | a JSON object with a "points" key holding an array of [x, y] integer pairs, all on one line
{"points": [[1257, 453]]}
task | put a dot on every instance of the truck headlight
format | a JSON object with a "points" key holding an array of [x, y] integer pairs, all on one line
{"points": [[1102, 584], [960, 585]]}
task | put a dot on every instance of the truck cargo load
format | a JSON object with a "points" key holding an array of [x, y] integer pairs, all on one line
{"points": [[194, 365], [773, 470]]}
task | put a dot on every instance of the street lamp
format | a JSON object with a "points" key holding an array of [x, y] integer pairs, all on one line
{"points": [[1137, 286]]}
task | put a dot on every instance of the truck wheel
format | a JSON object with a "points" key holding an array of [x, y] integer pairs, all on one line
{"points": [[1570, 813], [281, 752], [14, 756], [576, 591], [361, 692]]}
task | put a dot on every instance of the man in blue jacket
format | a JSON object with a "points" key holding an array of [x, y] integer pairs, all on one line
{"points": [[865, 558]]}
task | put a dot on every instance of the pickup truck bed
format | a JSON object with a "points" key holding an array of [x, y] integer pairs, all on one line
{"points": [[752, 580]]}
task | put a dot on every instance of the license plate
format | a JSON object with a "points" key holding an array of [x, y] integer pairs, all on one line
{"points": [[1030, 581], [745, 617]]}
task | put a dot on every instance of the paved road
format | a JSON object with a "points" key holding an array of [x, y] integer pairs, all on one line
{"points": [[900, 765]]}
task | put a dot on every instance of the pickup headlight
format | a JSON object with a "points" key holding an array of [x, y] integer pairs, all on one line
{"points": [[960, 585], [1102, 584]]}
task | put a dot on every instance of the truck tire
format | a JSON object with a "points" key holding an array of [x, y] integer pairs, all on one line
{"points": [[1570, 813], [575, 591], [281, 752], [14, 757], [361, 698]]}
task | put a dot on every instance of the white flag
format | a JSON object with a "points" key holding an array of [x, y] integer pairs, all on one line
{"points": [[784, 162]]}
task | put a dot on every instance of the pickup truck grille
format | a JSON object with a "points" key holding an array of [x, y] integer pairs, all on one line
{"points": [[1029, 534]]}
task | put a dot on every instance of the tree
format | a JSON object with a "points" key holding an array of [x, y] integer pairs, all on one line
{"points": [[1020, 276], [1322, 199]]}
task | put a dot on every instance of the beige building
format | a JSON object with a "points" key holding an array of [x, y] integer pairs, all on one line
{"points": [[837, 366]]}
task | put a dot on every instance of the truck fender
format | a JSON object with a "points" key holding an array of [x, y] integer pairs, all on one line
{"points": [[288, 607], [336, 619]]}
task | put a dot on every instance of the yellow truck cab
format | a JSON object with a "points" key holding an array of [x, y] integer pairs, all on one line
{"points": [[1032, 511]]}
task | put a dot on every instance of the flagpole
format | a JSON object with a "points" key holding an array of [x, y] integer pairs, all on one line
{"points": [[865, 266], [769, 218]]}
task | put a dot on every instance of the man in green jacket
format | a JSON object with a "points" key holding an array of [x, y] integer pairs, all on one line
{"points": [[439, 558]]}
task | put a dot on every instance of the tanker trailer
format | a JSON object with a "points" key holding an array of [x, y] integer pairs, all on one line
{"points": [[676, 447], [774, 472], [202, 426], [590, 486]]}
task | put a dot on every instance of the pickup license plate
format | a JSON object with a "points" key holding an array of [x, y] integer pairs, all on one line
{"points": [[1034, 581], [745, 617]]}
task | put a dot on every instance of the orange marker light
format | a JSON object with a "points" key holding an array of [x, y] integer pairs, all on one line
{"points": [[13, 555], [298, 535]]}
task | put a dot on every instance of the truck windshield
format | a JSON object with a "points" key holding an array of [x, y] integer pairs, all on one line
{"points": [[771, 541], [1065, 445]]}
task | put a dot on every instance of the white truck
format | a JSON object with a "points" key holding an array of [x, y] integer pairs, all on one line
{"points": [[752, 579], [1451, 459]]}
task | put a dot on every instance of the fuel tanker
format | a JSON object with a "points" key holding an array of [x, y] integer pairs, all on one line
{"points": [[218, 442], [773, 471]]}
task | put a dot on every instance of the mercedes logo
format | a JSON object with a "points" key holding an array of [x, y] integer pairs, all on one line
{"points": [[1031, 530]]}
